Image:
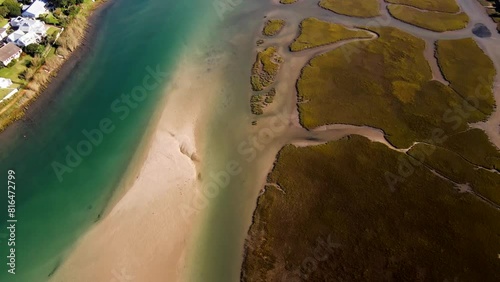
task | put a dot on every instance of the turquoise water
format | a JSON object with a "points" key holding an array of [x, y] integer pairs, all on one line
{"points": [[54, 210]]}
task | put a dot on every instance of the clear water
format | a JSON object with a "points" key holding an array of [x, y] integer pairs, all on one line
{"points": [[52, 212]]}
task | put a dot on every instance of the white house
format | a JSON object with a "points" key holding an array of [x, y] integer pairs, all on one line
{"points": [[27, 39], [15, 22], [9, 52], [3, 33], [13, 37], [35, 10], [5, 82], [35, 26]]}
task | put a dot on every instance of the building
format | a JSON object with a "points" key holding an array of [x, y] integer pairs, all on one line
{"points": [[16, 22], [5, 82], [26, 29], [9, 52], [13, 37], [3, 33], [28, 39], [35, 26], [35, 10]]}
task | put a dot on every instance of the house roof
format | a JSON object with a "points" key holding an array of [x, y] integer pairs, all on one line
{"points": [[37, 8], [28, 38], [16, 21], [16, 35], [7, 51], [29, 23], [3, 80]]}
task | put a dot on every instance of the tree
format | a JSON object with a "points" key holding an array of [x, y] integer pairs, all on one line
{"points": [[72, 11], [65, 3], [13, 7], [4, 11], [34, 49], [51, 39]]}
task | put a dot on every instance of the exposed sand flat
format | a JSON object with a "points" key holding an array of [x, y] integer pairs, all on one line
{"points": [[144, 237], [429, 53]]}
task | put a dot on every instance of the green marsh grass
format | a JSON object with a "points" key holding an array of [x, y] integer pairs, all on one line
{"points": [[386, 83], [273, 27], [314, 33], [434, 21], [424, 231], [446, 6], [265, 68], [459, 170], [474, 146], [475, 84]]}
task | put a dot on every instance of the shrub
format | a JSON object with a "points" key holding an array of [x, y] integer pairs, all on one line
{"points": [[34, 49], [257, 109], [13, 7], [50, 19], [27, 74], [4, 11], [12, 63]]}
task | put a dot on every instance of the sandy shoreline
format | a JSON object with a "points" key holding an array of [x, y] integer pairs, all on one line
{"points": [[144, 236]]}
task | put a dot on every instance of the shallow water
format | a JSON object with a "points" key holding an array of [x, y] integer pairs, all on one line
{"points": [[133, 39], [219, 250]]}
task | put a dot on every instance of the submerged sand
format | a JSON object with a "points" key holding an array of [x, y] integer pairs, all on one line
{"points": [[144, 237]]}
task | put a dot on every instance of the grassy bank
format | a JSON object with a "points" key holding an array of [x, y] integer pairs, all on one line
{"points": [[40, 76], [314, 33], [435, 21], [273, 27], [475, 85]]}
